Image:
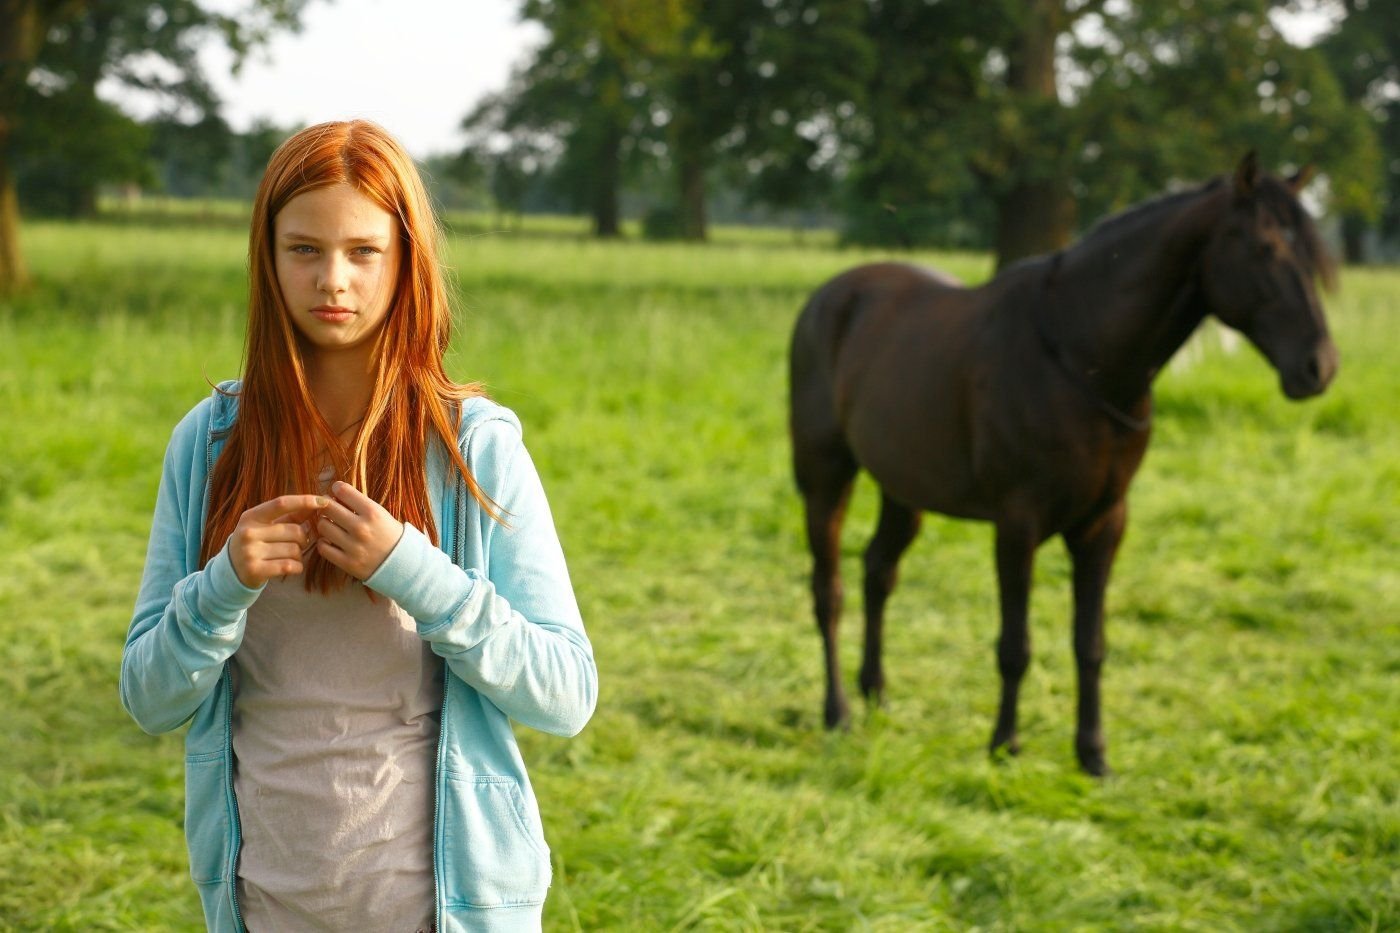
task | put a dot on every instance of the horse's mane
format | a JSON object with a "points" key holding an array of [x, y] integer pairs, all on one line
{"points": [[1110, 228], [1272, 194], [1114, 225]]}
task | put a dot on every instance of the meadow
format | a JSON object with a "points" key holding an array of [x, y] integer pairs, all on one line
{"points": [[1252, 691]]}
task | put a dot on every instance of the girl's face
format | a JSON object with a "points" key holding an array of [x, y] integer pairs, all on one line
{"points": [[337, 261]]}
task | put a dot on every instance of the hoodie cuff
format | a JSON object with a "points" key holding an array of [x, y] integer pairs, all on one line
{"points": [[223, 598], [421, 579]]}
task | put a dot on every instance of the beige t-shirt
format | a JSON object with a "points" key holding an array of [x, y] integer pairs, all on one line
{"points": [[335, 726]]}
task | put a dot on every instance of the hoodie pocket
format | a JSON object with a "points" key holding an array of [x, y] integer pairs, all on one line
{"points": [[493, 849], [208, 826]]}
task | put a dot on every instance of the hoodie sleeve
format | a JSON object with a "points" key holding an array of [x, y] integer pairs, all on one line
{"points": [[513, 632], [187, 621]]}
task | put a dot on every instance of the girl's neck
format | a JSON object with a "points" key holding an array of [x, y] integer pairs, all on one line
{"points": [[341, 385]]}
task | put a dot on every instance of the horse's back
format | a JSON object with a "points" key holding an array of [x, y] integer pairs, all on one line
{"points": [[848, 318], [878, 365], [858, 293]]}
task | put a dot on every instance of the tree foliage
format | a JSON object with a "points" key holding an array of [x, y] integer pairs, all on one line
{"points": [[1004, 122], [57, 134], [1364, 53], [1141, 96], [757, 90]]}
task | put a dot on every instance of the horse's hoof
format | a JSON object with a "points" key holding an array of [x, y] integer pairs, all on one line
{"points": [[872, 687], [837, 716], [1004, 747], [1094, 763]]}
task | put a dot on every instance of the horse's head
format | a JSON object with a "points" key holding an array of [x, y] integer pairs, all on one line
{"points": [[1258, 273]]}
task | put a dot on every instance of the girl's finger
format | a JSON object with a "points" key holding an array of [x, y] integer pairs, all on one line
{"points": [[283, 531], [352, 497], [288, 567], [281, 551], [274, 510], [332, 553], [330, 531], [340, 514]]}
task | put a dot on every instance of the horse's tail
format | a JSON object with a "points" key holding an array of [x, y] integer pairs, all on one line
{"points": [[813, 418]]}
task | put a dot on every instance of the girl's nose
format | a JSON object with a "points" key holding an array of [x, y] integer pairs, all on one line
{"points": [[332, 279]]}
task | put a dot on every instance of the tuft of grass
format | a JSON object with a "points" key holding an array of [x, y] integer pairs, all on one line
{"points": [[1250, 695]]}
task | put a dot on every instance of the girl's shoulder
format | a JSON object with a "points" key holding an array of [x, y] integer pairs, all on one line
{"points": [[484, 419], [214, 414], [491, 440]]}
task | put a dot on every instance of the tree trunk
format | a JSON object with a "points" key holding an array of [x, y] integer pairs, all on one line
{"points": [[1034, 217], [1038, 214], [606, 215], [1353, 239], [19, 44], [14, 275], [692, 205]]}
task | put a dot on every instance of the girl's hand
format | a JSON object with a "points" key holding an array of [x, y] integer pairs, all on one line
{"points": [[271, 537], [356, 533]]}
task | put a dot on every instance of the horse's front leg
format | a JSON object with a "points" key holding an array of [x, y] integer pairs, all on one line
{"points": [[1092, 549], [1016, 541]]}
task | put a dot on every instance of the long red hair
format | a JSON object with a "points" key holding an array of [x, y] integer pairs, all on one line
{"points": [[279, 434]]}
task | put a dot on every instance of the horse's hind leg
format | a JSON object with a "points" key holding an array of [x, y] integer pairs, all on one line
{"points": [[1092, 550], [1016, 542], [824, 476], [898, 527]]}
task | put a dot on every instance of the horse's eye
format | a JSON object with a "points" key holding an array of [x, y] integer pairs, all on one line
{"points": [[1290, 236]]}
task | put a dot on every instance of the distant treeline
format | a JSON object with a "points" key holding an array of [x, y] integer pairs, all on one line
{"points": [[1002, 124]]}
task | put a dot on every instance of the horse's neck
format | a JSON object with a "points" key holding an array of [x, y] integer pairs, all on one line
{"points": [[1126, 304]]}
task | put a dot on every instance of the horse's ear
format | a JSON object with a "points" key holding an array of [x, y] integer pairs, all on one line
{"points": [[1247, 174], [1299, 179]]}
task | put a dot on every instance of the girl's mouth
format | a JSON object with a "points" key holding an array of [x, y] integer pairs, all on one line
{"points": [[333, 314]]}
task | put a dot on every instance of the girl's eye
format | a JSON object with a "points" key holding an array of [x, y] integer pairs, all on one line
{"points": [[301, 249], [366, 251]]}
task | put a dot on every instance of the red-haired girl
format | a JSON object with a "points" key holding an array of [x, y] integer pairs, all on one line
{"points": [[353, 585]]}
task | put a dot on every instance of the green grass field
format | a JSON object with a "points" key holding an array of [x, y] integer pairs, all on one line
{"points": [[1252, 694]]}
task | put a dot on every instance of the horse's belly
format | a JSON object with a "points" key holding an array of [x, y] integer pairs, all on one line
{"points": [[921, 462]]}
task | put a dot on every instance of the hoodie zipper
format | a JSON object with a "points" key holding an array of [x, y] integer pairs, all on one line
{"points": [[438, 784], [228, 697], [232, 798]]}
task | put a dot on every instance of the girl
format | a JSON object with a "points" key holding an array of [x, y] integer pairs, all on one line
{"points": [[353, 584]]}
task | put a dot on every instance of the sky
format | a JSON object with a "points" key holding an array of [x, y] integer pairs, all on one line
{"points": [[415, 66]]}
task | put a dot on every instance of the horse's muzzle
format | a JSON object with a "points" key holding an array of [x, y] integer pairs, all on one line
{"points": [[1313, 374]]}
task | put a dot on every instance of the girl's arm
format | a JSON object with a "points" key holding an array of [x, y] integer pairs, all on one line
{"points": [[514, 635], [187, 621]]}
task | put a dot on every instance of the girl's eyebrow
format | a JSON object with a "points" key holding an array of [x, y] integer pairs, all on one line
{"points": [[354, 240]]}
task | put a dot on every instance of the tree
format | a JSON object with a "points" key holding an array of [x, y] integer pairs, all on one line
{"points": [[911, 178], [1052, 105], [507, 153], [1364, 52], [766, 85], [53, 53], [575, 111], [193, 159], [756, 88], [25, 23]]}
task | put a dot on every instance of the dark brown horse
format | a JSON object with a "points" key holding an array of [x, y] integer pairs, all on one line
{"points": [[1027, 402]]}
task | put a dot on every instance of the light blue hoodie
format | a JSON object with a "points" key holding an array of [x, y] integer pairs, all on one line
{"points": [[494, 602]]}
